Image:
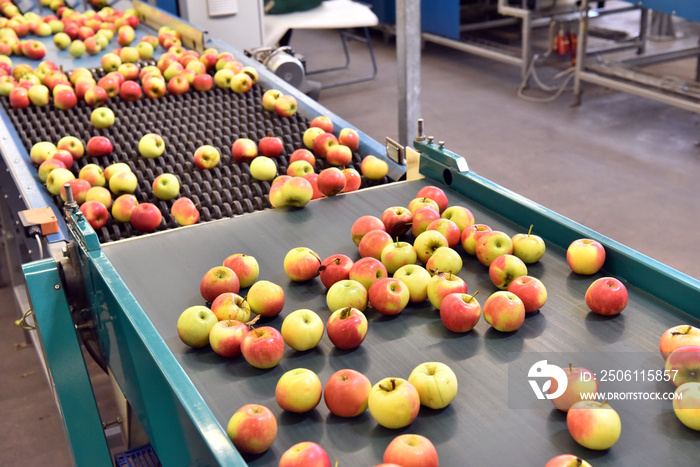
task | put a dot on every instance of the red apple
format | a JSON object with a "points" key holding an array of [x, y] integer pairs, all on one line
{"points": [[397, 220], [303, 155], [347, 328], [146, 217], [504, 311], [339, 155], [301, 264], [422, 217], [216, 281], [373, 243], [270, 146], [244, 150], [678, 336], [346, 393], [409, 450], [606, 296], [531, 291], [252, 429], [460, 312], [448, 229], [322, 143], [226, 336], [246, 268], [683, 365], [99, 146], [331, 181], [436, 194], [96, 214], [389, 296], [581, 383], [505, 269], [492, 245], [363, 225], [585, 256], [350, 138], [353, 180], [335, 268], [322, 122], [305, 454], [263, 347]]}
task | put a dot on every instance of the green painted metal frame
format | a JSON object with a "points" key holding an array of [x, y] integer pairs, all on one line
{"points": [[179, 425], [66, 366], [663, 282]]}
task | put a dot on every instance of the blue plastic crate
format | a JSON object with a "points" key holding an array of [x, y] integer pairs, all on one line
{"points": [[143, 456]]}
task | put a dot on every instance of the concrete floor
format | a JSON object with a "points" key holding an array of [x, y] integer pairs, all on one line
{"points": [[622, 165]]}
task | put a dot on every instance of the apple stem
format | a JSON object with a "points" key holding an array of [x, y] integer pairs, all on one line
{"points": [[571, 368], [346, 313], [472, 296], [390, 388], [252, 322], [679, 333], [529, 231]]}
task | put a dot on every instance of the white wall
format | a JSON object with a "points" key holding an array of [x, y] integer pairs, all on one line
{"points": [[243, 30]]}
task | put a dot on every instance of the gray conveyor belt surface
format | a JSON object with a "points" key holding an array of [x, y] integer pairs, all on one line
{"points": [[483, 426]]}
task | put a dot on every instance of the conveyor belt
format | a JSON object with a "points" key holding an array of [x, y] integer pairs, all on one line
{"points": [[217, 117], [481, 427]]}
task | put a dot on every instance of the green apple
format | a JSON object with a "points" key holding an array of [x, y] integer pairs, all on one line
{"points": [[124, 182], [231, 306], [593, 425], [443, 284], [444, 259], [42, 151], [298, 390], [299, 169], [38, 95], [56, 179], [310, 135], [302, 329], [194, 325], [460, 215], [62, 40], [397, 254], [94, 174], [427, 243], [416, 277], [263, 168], [686, 404], [166, 186], [346, 293], [529, 248], [436, 384], [394, 403], [505, 269], [112, 169], [73, 145], [122, 207], [77, 48], [102, 117], [151, 145]]}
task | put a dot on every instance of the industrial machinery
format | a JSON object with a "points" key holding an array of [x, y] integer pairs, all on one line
{"points": [[128, 290]]}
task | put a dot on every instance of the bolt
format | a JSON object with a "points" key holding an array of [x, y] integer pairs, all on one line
{"points": [[56, 287]]}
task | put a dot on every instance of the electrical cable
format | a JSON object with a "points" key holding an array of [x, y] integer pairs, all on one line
{"points": [[39, 244], [531, 72]]}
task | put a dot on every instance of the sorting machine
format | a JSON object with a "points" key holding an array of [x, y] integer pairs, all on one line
{"points": [[128, 290]]}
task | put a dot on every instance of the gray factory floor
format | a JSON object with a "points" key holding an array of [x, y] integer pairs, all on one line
{"points": [[623, 165]]}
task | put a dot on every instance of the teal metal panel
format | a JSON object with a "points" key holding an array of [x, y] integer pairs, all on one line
{"points": [[179, 424], [67, 368], [657, 279]]}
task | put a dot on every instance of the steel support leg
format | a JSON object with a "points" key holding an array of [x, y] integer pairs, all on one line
{"points": [[408, 41]]}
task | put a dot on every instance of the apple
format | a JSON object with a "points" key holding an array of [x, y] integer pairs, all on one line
{"points": [[110, 62], [206, 157], [298, 390], [266, 298], [347, 327], [286, 106], [61, 40], [245, 266], [470, 236], [145, 217], [110, 83], [686, 404], [322, 122], [353, 180], [296, 192], [64, 98], [529, 248], [585, 256], [460, 312], [444, 259], [346, 293], [216, 281], [436, 194], [113, 169], [448, 229], [101, 194], [504, 311], [124, 182], [194, 325], [125, 35], [178, 85], [567, 460], [166, 187], [299, 169], [322, 143], [349, 137], [56, 179], [42, 151], [593, 425], [683, 365], [394, 402], [374, 168], [363, 225], [366, 271], [331, 181], [301, 264], [225, 338], [441, 285], [96, 214], [678, 336], [373, 242], [422, 217], [269, 98], [263, 347], [410, 450], [47, 166], [335, 268], [416, 277], [339, 155], [460, 215], [305, 454], [310, 135], [145, 50], [184, 211], [231, 306], [241, 83], [77, 48], [580, 382], [38, 95], [93, 174], [606, 296], [302, 154], [504, 269], [346, 393], [244, 150], [389, 296], [492, 245], [263, 168], [151, 146], [102, 117], [312, 178], [99, 146], [252, 429], [270, 146], [428, 242], [398, 254], [19, 98], [203, 82], [123, 206], [223, 78], [154, 88], [531, 291], [302, 329], [436, 384], [73, 145], [79, 189], [397, 220]]}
